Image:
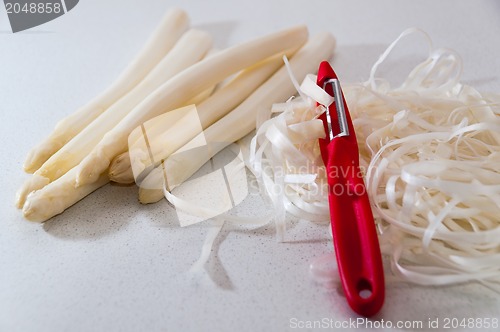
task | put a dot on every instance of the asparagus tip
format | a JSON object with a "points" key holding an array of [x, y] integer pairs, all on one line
{"points": [[120, 170], [31, 213], [40, 154], [33, 183], [33, 161]]}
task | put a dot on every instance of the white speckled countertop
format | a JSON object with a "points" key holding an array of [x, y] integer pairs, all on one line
{"points": [[110, 264]]}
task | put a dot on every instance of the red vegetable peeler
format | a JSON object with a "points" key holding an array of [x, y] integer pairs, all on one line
{"points": [[355, 238]]}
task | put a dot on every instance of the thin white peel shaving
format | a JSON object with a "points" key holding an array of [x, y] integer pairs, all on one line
{"points": [[285, 157], [431, 152]]}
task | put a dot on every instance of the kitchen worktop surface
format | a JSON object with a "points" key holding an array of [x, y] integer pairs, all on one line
{"points": [[111, 264]]}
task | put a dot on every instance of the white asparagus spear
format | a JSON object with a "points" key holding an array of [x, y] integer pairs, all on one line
{"points": [[175, 135], [57, 196], [172, 26], [237, 124], [181, 88], [190, 48]]}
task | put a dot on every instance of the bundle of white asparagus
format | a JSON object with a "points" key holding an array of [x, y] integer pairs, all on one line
{"points": [[175, 69]]}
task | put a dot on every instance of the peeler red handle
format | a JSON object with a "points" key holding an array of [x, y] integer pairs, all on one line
{"points": [[354, 234], [355, 238]]}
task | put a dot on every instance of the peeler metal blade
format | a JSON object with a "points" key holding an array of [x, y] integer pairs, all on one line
{"points": [[339, 106]]}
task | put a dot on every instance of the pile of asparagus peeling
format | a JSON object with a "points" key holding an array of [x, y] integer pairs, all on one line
{"points": [[176, 68]]}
